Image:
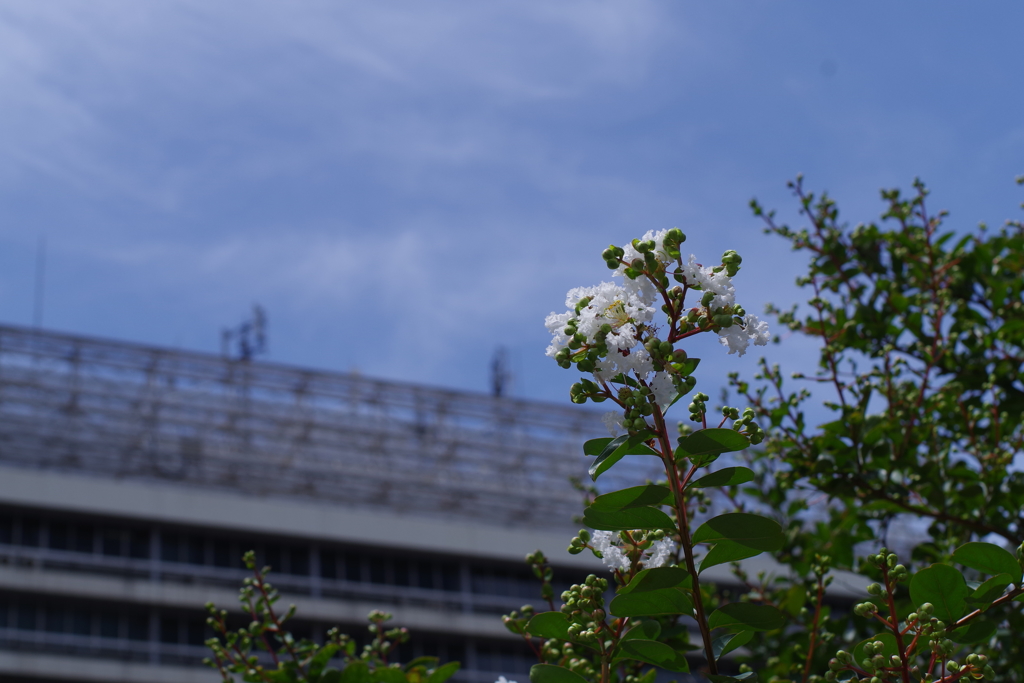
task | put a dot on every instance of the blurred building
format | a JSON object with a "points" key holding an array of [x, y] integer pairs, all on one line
{"points": [[132, 479]]}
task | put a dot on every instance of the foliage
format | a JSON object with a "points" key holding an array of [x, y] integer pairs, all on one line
{"points": [[922, 334], [236, 652]]}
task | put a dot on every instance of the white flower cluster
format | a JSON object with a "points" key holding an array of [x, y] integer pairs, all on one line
{"points": [[737, 338], [609, 314], [502, 679], [613, 557]]}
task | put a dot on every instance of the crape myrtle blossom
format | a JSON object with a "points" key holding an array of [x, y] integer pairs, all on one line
{"points": [[736, 338], [502, 679], [615, 559]]}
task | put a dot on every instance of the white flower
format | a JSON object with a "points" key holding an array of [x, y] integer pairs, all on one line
{"points": [[659, 553], [738, 337], [710, 281], [664, 389], [502, 679], [613, 421], [612, 555]]}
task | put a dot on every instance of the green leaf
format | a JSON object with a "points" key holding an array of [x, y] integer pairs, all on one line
{"points": [[637, 496], [728, 642], [330, 676], [595, 446], [385, 674], [704, 446], [689, 365], [549, 625], [727, 551], [321, 659], [425, 661], [888, 640], [746, 677], [746, 615], [443, 672], [656, 579], [729, 476], [618, 520], [356, 672], [991, 590], [667, 601], [549, 673], [944, 587], [646, 629], [753, 531], [976, 631], [653, 652], [988, 558], [619, 447]]}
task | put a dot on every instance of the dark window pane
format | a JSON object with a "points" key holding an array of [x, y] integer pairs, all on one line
{"points": [[222, 553], [196, 550], [59, 536], [450, 577], [377, 570], [299, 561], [328, 564], [195, 632], [54, 620], [26, 617], [457, 653], [30, 531], [431, 649], [109, 625], [353, 568], [401, 569], [138, 544], [138, 627], [81, 622], [6, 529], [425, 575], [5, 607], [84, 539], [169, 547], [110, 543], [274, 555], [168, 630]]}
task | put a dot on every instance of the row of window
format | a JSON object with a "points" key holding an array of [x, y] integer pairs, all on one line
{"points": [[361, 566], [22, 614]]}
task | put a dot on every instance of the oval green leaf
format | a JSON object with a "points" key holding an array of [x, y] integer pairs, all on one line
{"points": [[356, 672], [617, 448], [619, 520], [976, 631], [729, 476], [944, 587], [443, 672], [704, 446], [653, 652], [728, 551], [549, 625], [667, 601], [725, 644], [747, 616], [753, 531], [645, 629], [657, 578], [992, 589], [637, 496], [549, 673], [988, 558]]}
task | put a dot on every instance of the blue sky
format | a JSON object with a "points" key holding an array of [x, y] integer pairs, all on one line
{"points": [[404, 186]]}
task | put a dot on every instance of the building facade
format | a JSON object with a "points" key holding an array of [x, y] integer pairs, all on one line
{"points": [[133, 478]]}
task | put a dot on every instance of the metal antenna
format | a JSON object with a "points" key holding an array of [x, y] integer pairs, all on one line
{"points": [[37, 307], [500, 375], [251, 335]]}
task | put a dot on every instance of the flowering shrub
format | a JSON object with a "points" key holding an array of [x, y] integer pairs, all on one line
{"points": [[627, 340]]}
